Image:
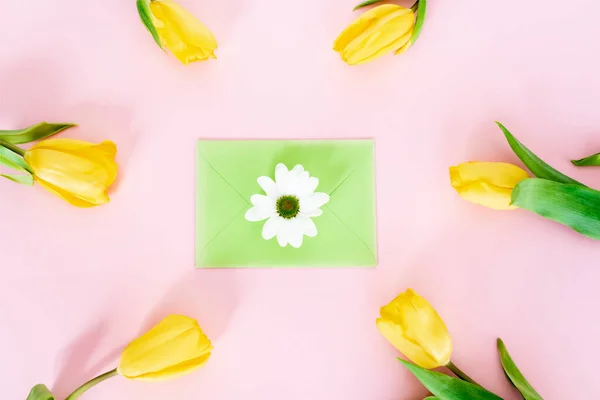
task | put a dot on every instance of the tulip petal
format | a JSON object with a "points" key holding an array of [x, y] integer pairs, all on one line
{"points": [[61, 145], [175, 371], [401, 42], [380, 40], [386, 33], [80, 177], [413, 326], [174, 346], [77, 171], [362, 23], [98, 200], [182, 33], [395, 335], [487, 183]]}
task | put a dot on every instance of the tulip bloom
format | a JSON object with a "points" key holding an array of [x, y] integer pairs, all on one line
{"points": [[76, 171], [180, 32], [489, 184], [413, 326], [380, 30], [174, 347]]}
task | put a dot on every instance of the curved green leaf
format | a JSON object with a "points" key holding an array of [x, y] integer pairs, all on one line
{"points": [[447, 387], [40, 392], [143, 7], [575, 206], [535, 164], [13, 160], [431, 398], [22, 179], [33, 133], [421, 14], [514, 375], [589, 161], [366, 3]]}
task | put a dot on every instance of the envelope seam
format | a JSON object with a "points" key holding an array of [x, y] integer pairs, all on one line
{"points": [[222, 177], [221, 231], [342, 182], [354, 233]]}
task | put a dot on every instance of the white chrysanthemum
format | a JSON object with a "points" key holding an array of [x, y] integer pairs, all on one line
{"points": [[289, 205]]}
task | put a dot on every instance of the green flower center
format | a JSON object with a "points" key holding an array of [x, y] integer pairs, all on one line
{"points": [[288, 206]]}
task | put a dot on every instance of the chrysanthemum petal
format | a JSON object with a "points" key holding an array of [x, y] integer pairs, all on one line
{"points": [[258, 213], [271, 227], [260, 200], [296, 234], [308, 227], [269, 186], [314, 201], [281, 174]]}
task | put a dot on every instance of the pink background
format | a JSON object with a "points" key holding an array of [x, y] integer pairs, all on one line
{"points": [[77, 285]]}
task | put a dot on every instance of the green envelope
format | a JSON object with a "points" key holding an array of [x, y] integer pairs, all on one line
{"points": [[226, 178]]}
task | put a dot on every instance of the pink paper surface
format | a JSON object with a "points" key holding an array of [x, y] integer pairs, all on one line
{"points": [[77, 285]]}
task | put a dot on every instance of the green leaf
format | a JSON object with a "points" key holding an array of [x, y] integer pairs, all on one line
{"points": [[431, 398], [421, 14], [143, 7], [447, 387], [33, 133], [13, 160], [366, 3], [575, 206], [589, 161], [40, 392], [535, 164], [22, 179], [514, 375]]}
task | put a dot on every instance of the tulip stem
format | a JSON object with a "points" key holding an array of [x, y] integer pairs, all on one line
{"points": [[91, 383], [458, 372], [12, 147]]}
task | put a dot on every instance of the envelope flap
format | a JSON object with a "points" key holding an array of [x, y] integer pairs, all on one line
{"points": [[241, 245], [242, 162], [217, 203]]}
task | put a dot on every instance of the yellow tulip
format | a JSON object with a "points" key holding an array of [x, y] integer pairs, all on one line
{"points": [[174, 347], [413, 326], [179, 31], [487, 183], [380, 30], [76, 171]]}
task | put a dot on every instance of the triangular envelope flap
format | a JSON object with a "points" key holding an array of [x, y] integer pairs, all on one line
{"points": [[241, 245], [217, 203], [242, 162], [353, 202]]}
